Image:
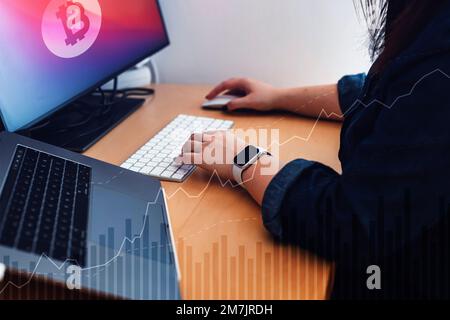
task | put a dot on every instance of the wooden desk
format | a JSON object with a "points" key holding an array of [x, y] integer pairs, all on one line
{"points": [[223, 248]]}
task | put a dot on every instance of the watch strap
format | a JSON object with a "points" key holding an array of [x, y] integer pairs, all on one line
{"points": [[238, 171]]}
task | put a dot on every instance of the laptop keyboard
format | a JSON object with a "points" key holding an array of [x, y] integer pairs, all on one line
{"points": [[156, 157], [44, 206]]}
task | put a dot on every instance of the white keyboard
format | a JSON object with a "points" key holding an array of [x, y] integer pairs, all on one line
{"points": [[156, 157]]}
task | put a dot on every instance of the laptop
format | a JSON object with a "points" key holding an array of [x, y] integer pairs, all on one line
{"points": [[63, 214], [77, 222]]}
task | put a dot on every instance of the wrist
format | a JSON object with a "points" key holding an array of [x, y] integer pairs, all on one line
{"points": [[249, 173], [283, 98], [256, 181], [278, 96], [255, 168]]}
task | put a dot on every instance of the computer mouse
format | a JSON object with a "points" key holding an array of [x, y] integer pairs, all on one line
{"points": [[220, 102]]}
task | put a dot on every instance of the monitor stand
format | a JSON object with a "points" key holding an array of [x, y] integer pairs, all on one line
{"points": [[81, 124]]}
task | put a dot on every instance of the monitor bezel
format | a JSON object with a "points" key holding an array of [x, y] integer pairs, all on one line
{"points": [[99, 83]]}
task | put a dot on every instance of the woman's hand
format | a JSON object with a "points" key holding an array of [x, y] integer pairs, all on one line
{"points": [[213, 151], [258, 95], [305, 101]]}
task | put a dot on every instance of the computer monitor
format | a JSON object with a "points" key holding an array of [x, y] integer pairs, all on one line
{"points": [[52, 52]]}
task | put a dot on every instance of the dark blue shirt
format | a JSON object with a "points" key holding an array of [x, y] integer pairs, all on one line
{"points": [[390, 205]]}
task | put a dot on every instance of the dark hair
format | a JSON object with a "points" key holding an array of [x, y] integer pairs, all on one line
{"points": [[394, 25]]}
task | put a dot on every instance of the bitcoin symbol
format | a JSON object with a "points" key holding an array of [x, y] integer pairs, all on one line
{"points": [[70, 27], [75, 22]]}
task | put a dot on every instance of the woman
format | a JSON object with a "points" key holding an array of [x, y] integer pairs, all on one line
{"points": [[390, 205]]}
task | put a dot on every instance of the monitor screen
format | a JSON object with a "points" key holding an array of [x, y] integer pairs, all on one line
{"points": [[53, 51]]}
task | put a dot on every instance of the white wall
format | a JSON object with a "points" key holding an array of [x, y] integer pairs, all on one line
{"points": [[284, 42]]}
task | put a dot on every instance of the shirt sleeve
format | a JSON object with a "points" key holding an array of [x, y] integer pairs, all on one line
{"points": [[349, 89], [295, 202], [394, 185]]}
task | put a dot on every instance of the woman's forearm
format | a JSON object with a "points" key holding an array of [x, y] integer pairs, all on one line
{"points": [[307, 101], [256, 182], [311, 101]]}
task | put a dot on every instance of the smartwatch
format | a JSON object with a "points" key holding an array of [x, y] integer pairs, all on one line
{"points": [[245, 159]]}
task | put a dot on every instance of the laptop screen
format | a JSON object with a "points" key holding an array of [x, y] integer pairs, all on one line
{"points": [[53, 51]]}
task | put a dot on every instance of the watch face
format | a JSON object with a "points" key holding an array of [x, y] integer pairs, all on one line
{"points": [[244, 157]]}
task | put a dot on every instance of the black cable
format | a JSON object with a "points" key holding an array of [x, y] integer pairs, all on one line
{"points": [[109, 98], [105, 125]]}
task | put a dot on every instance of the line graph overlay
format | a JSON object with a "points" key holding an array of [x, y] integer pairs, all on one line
{"points": [[223, 183]]}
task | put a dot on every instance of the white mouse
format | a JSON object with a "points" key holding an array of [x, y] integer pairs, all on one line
{"points": [[219, 103]]}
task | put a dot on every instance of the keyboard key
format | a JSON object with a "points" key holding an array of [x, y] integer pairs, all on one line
{"points": [[173, 167], [178, 176], [26, 245], [42, 197], [182, 172], [146, 170], [166, 163], [157, 171], [126, 166], [167, 174]]}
